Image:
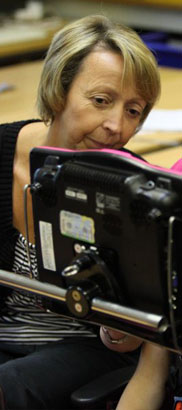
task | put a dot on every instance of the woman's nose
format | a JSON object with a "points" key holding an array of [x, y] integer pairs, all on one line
{"points": [[114, 121]]}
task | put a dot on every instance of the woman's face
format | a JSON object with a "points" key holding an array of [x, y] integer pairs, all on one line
{"points": [[99, 112]]}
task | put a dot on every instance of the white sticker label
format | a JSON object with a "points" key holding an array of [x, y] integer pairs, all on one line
{"points": [[47, 248], [77, 226]]}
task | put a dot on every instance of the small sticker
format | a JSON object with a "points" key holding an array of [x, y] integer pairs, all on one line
{"points": [[100, 200], [77, 226], [70, 193], [105, 202], [47, 247], [74, 193]]}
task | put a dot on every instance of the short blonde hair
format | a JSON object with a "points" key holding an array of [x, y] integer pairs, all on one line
{"points": [[74, 42]]}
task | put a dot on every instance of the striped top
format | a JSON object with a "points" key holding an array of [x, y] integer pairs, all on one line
{"points": [[23, 319]]}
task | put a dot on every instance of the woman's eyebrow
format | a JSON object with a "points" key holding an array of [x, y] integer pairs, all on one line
{"points": [[100, 84], [139, 101]]}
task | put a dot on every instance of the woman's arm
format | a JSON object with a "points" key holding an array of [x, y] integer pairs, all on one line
{"points": [[146, 389]]}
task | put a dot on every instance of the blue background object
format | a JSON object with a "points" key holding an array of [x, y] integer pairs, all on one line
{"points": [[166, 53]]}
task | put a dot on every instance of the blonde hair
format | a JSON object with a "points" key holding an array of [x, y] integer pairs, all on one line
{"points": [[74, 42]]}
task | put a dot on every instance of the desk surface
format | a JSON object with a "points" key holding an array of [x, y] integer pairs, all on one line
{"points": [[166, 157], [20, 103]]}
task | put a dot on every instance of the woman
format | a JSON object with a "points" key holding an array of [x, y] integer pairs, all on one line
{"points": [[98, 84]]}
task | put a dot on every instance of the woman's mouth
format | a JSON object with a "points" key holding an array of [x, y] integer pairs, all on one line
{"points": [[93, 144]]}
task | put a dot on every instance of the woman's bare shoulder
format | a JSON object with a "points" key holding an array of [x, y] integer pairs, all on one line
{"points": [[31, 135]]}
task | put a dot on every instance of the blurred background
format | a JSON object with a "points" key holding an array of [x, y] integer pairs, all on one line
{"points": [[26, 27]]}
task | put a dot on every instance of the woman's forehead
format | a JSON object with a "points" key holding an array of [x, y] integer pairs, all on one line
{"points": [[105, 68], [101, 67], [103, 59]]}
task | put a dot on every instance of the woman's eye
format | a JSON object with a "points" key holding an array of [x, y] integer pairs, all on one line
{"points": [[134, 112], [101, 101]]}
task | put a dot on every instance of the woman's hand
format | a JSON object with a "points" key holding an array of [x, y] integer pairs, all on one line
{"points": [[118, 341]]}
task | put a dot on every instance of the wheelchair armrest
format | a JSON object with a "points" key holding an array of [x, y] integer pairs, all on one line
{"points": [[108, 386]]}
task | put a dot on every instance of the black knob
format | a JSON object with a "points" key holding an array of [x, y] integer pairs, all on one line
{"points": [[79, 298]]}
